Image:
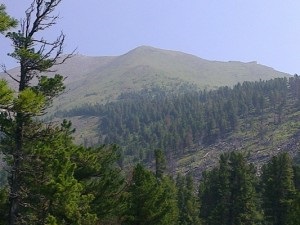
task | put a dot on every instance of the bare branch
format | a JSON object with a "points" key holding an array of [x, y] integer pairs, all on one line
{"points": [[43, 11], [7, 73], [28, 12]]}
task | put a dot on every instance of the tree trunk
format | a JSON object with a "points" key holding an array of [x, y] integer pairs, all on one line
{"points": [[18, 157]]}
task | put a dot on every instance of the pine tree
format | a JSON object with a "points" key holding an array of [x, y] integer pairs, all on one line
{"points": [[208, 195], [3, 205], [278, 189], [50, 190], [187, 201], [6, 22], [243, 198], [294, 213], [97, 170], [42, 186], [151, 201], [227, 193], [160, 164], [296, 171]]}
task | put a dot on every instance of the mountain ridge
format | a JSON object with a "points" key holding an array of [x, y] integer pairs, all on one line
{"points": [[94, 79]]}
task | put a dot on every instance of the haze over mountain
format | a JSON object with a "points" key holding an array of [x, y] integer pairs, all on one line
{"points": [[102, 79]]}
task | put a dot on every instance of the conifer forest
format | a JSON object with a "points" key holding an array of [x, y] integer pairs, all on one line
{"points": [[131, 175]]}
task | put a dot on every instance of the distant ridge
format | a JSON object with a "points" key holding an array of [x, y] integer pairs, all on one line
{"points": [[103, 78]]}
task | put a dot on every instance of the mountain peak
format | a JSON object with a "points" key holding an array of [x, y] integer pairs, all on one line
{"points": [[144, 48]]}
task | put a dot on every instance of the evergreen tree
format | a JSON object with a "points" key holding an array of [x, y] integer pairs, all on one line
{"points": [[4, 206], [278, 189], [243, 198], [42, 186], [296, 171], [227, 193], [97, 170], [294, 213], [221, 212], [208, 195], [187, 201], [6, 22], [168, 202], [50, 190], [151, 201], [160, 163]]}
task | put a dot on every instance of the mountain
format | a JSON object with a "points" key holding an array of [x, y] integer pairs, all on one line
{"points": [[102, 79], [264, 117], [193, 128]]}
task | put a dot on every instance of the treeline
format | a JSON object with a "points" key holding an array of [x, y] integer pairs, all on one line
{"points": [[231, 193], [47, 179], [90, 188], [141, 122], [68, 184]]}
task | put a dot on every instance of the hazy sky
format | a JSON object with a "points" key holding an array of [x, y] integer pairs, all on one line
{"points": [[267, 31]]}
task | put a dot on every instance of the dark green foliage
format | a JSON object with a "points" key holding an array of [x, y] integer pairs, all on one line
{"points": [[6, 22], [50, 86], [208, 194], [160, 164], [278, 189], [227, 193], [98, 172], [4, 205], [53, 181], [151, 201], [243, 198], [40, 157], [296, 170], [294, 213], [187, 201], [51, 190], [178, 122]]}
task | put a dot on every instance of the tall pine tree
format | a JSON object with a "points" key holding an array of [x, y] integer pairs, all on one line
{"points": [[227, 193], [151, 201], [278, 189], [42, 186], [187, 201]]}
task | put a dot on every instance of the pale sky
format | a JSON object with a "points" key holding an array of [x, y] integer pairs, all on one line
{"points": [[266, 31]]}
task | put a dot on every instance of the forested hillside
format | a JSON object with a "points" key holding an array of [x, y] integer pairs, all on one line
{"points": [[254, 114], [152, 145]]}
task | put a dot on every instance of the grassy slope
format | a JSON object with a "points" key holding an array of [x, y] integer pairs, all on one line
{"points": [[106, 77], [102, 79]]}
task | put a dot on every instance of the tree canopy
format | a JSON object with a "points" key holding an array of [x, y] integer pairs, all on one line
{"points": [[43, 164], [6, 22]]}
